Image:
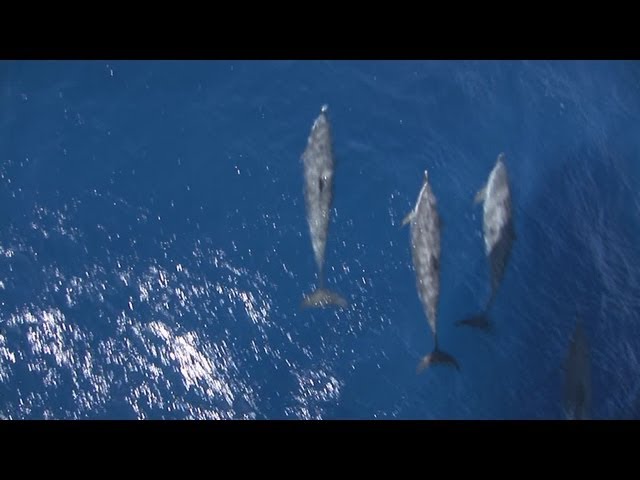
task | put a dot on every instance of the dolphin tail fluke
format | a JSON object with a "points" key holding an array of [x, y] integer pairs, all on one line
{"points": [[322, 297], [437, 357], [480, 321]]}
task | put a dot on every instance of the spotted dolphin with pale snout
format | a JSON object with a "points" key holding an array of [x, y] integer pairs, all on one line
{"points": [[499, 234], [424, 223], [319, 165]]}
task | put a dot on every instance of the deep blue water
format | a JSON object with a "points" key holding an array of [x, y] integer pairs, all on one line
{"points": [[154, 249]]}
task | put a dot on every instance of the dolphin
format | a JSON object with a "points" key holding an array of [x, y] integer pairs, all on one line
{"points": [[577, 388], [499, 234], [318, 163], [425, 226]]}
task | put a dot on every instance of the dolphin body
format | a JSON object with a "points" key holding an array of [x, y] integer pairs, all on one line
{"points": [[577, 388], [425, 225], [318, 163], [499, 234]]}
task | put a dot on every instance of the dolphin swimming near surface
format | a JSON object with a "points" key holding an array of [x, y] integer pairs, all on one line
{"points": [[499, 233], [577, 388], [425, 225], [318, 165]]}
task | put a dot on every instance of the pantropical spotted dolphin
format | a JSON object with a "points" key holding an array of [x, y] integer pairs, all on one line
{"points": [[499, 233], [424, 223], [318, 164], [577, 388]]}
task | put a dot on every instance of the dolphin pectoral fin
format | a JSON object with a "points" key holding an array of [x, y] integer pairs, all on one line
{"points": [[482, 193], [322, 297], [437, 357], [407, 219]]}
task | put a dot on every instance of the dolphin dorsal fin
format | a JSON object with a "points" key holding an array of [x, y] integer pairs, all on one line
{"points": [[480, 196]]}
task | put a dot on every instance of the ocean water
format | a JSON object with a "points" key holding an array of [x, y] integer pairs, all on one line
{"points": [[154, 249]]}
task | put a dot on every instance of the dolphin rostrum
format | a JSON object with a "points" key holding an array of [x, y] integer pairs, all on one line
{"points": [[318, 194], [499, 233], [577, 388], [424, 223]]}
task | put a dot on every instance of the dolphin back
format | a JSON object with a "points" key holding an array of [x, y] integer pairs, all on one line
{"points": [[578, 379], [323, 297]]}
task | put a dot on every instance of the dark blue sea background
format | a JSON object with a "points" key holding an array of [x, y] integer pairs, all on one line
{"points": [[154, 249]]}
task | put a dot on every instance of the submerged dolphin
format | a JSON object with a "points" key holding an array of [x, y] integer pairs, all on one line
{"points": [[425, 252], [499, 233], [577, 388], [318, 194]]}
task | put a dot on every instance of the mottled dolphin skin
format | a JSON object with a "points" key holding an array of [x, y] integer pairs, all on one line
{"points": [[318, 195], [577, 388], [424, 223], [499, 233]]}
